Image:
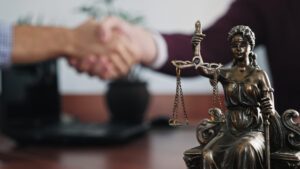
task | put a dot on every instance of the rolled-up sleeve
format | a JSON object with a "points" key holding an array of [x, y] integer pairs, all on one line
{"points": [[6, 38]]}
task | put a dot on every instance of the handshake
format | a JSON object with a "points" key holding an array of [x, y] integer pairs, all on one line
{"points": [[107, 49], [113, 46]]}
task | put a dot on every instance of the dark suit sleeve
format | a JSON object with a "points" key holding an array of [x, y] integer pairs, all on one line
{"points": [[215, 47]]}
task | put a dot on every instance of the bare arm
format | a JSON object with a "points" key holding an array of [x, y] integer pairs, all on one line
{"points": [[34, 44], [267, 102], [37, 43]]}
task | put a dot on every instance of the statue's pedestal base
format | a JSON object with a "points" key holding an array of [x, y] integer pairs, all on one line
{"points": [[279, 159], [285, 159], [193, 158]]}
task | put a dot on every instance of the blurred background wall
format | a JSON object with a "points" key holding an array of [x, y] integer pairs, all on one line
{"points": [[162, 15]]}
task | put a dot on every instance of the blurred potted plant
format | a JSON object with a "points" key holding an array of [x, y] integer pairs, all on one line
{"points": [[103, 8], [127, 97]]}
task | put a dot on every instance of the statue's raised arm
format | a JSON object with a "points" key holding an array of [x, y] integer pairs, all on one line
{"points": [[206, 69]]}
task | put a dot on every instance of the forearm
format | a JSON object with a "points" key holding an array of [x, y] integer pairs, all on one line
{"points": [[214, 47], [34, 44], [267, 100]]}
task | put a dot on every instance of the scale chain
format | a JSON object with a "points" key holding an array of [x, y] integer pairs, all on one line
{"points": [[178, 98], [183, 105]]}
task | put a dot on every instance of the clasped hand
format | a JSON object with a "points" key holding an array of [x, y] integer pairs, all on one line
{"points": [[114, 47]]}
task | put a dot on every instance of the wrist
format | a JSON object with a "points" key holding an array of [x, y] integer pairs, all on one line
{"points": [[67, 44], [160, 56], [149, 49]]}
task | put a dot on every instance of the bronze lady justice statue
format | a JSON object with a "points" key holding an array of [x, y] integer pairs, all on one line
{"points": [[240, 143]]}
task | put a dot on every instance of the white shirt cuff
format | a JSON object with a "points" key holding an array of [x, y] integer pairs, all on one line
{"points": [[162, 51]]}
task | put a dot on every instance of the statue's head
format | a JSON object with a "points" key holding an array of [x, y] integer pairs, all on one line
{"points": [[245, 32], [242, 41]]}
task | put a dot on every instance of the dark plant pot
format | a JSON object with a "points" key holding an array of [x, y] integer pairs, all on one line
{"points": [[127, 101]]}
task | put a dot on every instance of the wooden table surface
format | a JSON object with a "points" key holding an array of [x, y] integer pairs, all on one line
{"points": [[158, 149]]}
